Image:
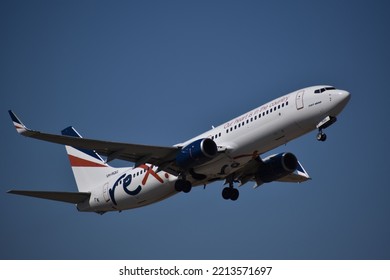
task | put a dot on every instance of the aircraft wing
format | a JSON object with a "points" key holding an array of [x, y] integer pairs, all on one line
{"points": [[156, 155]]}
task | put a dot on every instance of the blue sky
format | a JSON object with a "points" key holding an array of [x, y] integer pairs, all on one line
{"points": [[160, 72]]}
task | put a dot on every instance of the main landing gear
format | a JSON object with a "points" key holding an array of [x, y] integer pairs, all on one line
{"points": [[230, 192], [182, 185]]}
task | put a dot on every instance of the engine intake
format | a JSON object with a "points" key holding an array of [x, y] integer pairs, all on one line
{"points": [[277, 166], [196, 153]]}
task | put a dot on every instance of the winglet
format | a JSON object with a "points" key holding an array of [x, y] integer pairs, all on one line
{"points": [[20, 127], [302, 172]]}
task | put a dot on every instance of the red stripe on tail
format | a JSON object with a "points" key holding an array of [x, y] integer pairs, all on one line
{"points": [[76, 161]]}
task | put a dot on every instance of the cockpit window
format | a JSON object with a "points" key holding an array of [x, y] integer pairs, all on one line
{"points": [[323, 89]]}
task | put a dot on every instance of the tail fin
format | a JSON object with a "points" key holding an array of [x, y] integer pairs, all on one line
{"points": [[89, 169]]}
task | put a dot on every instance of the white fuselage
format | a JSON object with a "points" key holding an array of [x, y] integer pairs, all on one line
{"points": [[242, 138]]}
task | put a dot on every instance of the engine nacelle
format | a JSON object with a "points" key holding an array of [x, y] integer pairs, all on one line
{"points": [[277, 166], [196, 153]]}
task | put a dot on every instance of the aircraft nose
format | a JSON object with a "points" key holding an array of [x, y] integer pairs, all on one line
{"points": [[344, 97], [341, 98]]}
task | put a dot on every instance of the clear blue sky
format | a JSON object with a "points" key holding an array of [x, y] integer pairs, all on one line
{"points": [[160, 72]]}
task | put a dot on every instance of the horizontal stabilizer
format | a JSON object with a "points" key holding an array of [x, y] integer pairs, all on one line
{"points": [[69, 197]]}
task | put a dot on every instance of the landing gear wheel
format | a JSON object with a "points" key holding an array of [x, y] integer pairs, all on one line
{"points": [[321, 136], [179, 185], [187, 186], [234, 194], [182, 185], [230, 193], [226, 193]]}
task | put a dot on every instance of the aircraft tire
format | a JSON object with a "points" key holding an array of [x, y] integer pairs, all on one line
{"points": [[234, 194], [321, 136], [182, 185], [226, 193], [179, 185], [186, 186], [230, 193]]}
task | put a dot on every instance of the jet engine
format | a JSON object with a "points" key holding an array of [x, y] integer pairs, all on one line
{"points": [[277, 166], [196, 153]]}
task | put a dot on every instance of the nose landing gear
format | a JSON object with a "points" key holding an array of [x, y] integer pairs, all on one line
{"points": [[326, 122]]}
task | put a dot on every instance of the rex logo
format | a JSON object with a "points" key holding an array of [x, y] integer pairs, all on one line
{"points": [[125, 180]]}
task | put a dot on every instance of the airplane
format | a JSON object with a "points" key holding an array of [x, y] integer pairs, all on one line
{"points": [[230, 152]]}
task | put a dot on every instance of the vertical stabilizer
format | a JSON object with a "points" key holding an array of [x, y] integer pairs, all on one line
{"points": [[89, 169]]}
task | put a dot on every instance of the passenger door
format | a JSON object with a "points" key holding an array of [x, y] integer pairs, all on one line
{"points": [[299, 99]]}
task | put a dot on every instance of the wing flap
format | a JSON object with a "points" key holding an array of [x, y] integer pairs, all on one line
{"points": [[68, 197]]}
